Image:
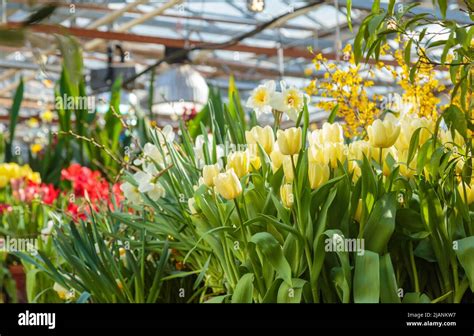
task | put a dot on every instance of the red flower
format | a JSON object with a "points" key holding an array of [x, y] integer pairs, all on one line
{"points": [[73, 210], [86, 182], [5, 208]]}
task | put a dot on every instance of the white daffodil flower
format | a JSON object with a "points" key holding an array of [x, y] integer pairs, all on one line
{"points": [[260, 99], [289, 101], [152, 152], [131, 193]]}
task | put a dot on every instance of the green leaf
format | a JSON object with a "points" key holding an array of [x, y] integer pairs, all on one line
{"points": [[443, 6], [388, 281], [291, 294], [407, 52], [273, 253], [14, 112], [348, 14], [367, 278], [455, 119], [332, 115], [83, 297], [218, 299], [244, 289], [416, 298], [381, 223], [465, 254], [414, 143]]}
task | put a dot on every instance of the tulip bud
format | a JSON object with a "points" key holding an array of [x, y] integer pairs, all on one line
{"points": [[263, 136], [240, 162], [286, 194], [289, 141], [318, 174], [228, 184], [383, 134], [209, 172]]}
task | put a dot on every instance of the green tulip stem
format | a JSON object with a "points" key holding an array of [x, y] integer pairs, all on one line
{"points": [[299, 225], [260, 285], [380, 159], [413, 267], [241, 222], [232, 271]]}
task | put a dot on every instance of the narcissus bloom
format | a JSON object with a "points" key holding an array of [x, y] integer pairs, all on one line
{"points": [[383, 134], [209, 172], [261, 135], [228, 185], [289, 141], [290, 101], [260, 99], [286, 194], [131, 193]]}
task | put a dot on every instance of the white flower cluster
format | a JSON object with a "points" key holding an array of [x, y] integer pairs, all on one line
{"points": [[150, 164], [265, 99]]}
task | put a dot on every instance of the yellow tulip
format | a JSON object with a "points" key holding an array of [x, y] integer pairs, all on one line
{"points": [[209, 172], [255, 162], [407, 171], [334, 152], [469, 192], [34, 177], [286, 194], [36, 148], [385, 152], [263, 136], [289, 141], [3, 181], [356, 171], [408, 125], [240, 162], [358, 212], [383, 134], [358, 149], [228, 185], [318, 174], [288, 167], [332, 133], [277, 158]]}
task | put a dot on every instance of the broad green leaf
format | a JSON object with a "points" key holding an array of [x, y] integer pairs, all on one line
{"points": [[291, 294], [367, 278], [388, 281], [381, 223], [465, 254], [273, 253], [244, 289]]}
